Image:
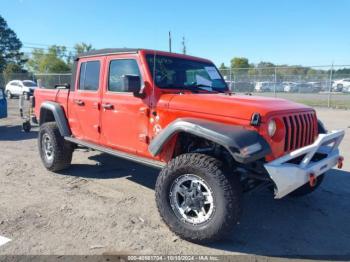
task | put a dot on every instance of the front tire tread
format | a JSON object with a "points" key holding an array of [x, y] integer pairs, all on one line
{"points": [[230, 187]]}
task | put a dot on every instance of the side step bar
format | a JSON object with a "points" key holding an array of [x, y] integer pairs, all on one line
{"points": [[141, 160]]}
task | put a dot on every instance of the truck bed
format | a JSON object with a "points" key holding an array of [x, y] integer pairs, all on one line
{"points": [[59, 96]]}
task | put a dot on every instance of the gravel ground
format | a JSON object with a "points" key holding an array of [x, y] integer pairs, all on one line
{"points": [[104, 205]]}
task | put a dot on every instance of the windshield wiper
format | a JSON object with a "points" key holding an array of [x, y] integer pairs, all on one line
{"points": [[194, 88], [198, 87]]}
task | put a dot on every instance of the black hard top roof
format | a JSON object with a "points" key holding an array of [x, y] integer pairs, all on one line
{"points": [[108, 51]]}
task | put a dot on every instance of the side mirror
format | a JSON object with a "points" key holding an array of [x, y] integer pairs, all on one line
{"points": [[63, 86], [132, 83]]}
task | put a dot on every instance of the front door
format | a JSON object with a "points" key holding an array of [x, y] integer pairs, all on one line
{"points": [[17, 88], [124, 117], [86, 100]]}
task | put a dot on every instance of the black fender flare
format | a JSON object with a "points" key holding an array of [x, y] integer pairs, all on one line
{"points": [[233, 138], [321, 128], [59, 115]]}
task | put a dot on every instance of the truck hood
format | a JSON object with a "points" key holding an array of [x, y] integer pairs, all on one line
{"points": [[237, 106]]}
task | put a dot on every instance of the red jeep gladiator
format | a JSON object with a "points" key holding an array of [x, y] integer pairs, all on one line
{"points": [[175, 112]]}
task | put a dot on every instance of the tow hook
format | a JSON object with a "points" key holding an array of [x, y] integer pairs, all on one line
{"points": [[340, 162], [312, 180]]}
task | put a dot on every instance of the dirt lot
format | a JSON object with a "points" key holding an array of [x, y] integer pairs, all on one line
{"points": [[106, 205]]}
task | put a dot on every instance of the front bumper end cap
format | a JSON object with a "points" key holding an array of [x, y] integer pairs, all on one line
{"points": [[289, 176]]}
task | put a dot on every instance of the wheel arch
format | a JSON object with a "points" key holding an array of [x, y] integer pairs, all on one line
{"points": [[232, 138], [321, 127], [51, 111]]}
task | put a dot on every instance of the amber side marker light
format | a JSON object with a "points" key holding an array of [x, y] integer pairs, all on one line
{"points": [[312, 180], [340, 162]]}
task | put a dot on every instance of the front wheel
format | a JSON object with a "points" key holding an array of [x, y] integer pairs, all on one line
{"points": [[8, 94], [197, 199]]}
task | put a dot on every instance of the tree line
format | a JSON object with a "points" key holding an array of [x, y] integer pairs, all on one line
{"points": [[54, 59], [240, 66]]}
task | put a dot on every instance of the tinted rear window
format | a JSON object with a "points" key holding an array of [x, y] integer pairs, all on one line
{"points": [[29, 83], [89, 77]]}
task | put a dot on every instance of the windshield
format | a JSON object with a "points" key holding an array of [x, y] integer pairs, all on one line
{"points": [[179, 73], [29, 83]]}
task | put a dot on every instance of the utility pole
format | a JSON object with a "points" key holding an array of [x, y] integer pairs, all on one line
{"points": [[275, 80], [330, 86], [183, 45], [170, 41]]}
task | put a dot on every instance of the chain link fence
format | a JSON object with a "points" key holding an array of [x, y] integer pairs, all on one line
{"points": [[327, 86], [43, 80], [317, 86]]}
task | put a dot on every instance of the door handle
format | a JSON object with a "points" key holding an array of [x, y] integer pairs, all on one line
{"points": [[79, 102], [107, 106]]}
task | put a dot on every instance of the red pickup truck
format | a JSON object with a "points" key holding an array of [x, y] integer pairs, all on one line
{"points": [[175, 112]]}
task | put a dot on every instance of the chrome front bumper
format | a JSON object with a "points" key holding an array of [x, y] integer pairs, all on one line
{"points": [[289, 176]]}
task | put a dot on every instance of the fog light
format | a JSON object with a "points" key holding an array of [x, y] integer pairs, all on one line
{"points": [[312, 180], [340, 162]]}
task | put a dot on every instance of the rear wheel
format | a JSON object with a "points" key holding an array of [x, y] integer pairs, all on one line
{"points": [[55, 152], [196, 199]]}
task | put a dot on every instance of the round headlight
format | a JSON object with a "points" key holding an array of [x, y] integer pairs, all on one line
{"points": [[271, 128]]}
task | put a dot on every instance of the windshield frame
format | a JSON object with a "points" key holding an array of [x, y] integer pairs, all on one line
{"points": [[198, 87]]}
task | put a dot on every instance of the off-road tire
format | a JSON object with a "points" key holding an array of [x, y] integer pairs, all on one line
{"points": [[62, 149], [306, 189], [227, 197]]}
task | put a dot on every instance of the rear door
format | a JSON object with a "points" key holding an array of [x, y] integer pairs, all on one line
{"points": [[85, 100], [124, 117]]}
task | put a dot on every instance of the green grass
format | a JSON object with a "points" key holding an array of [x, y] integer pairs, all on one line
{"points": [[340, 104], [341, 101]]}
